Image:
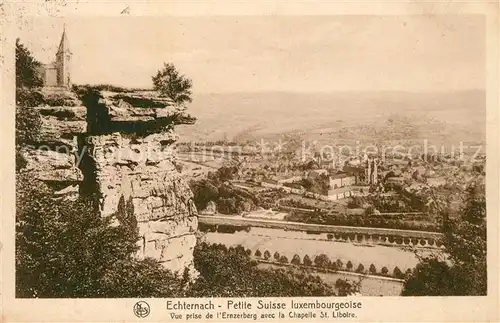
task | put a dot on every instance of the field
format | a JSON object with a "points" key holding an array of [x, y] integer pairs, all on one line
{"points": [[289, 243]]}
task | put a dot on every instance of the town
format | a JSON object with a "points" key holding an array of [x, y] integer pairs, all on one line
{"points": [[249, 198]]}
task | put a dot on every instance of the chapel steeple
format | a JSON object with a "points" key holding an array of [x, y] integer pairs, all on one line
{"points": [[63, 62]]}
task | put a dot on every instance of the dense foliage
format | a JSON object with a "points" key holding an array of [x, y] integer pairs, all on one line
{"points": [[27, 66], [464, 272], [28, 125], [374, 220], [216, 188], [65, 249], [170, 83], [318, 185], [231, 273]]}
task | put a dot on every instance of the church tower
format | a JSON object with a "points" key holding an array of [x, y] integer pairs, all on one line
{"points": [[63, 62]]}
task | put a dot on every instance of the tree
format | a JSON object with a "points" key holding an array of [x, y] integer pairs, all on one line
{"points": [[258, 253], [349, 265], [170, 83], [432, 277], [322, 260], [267, 255], [217, 278], [464, 272], [276, 256], [397, 272], [283, 259], [27, 74], [340, 264], [384, 271], [295, 260], [360, 269], [347, 287], [372, 269], [66, 249], [307, 261]]}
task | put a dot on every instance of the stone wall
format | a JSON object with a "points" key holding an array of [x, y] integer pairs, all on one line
{"points": [[121, 145]]}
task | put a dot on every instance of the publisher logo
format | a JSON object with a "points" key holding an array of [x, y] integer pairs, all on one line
{"points": [[141, 309]]}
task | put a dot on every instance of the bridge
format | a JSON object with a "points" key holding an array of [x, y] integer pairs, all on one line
{"points": [[367, 235]]}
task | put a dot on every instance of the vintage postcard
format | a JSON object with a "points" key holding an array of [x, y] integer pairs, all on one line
{"points": [[241, 161]]}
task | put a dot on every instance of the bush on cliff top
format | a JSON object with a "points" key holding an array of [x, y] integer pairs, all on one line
{"points": [[170, 83]]}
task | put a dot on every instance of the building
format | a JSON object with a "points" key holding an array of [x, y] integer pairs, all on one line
{"points": [[341, 179], [339, 193], [57, 74], [359, 173], [371, 176]]}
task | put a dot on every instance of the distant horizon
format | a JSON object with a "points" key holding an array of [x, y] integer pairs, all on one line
{"points": [[297, 92]]}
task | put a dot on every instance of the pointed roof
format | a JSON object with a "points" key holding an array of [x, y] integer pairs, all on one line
{"points": [[63, 45]]}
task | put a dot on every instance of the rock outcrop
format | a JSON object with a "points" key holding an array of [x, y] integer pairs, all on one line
{"points": [[142, 171], [120, 145], [53, 156]]}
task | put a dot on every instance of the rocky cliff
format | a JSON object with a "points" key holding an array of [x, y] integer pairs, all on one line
{"points": [[118, 145]]}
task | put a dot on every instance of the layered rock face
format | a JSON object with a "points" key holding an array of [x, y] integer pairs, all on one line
{"points": [[123, 148], [141, 171], [52, 157]]}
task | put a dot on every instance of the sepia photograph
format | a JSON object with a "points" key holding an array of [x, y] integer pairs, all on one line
{"points": [[320, 159]]}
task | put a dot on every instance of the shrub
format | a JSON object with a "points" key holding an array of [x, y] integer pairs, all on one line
{"points": [[360, 269], [258, 253], [276, 255], [384, 271], [349, 265], [267, 255], [307, 261], [340, 264], [372, 269], [329, 236], [249, 252], [333, 266]]}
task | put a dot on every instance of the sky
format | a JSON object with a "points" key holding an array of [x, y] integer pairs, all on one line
{"points": [[272, 53]]}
